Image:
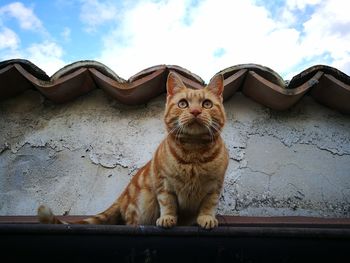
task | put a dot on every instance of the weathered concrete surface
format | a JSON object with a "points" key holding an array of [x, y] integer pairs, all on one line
{"points": [[79, 156]]}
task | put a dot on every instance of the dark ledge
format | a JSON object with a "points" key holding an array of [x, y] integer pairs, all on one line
{"points": [[239, 239]]}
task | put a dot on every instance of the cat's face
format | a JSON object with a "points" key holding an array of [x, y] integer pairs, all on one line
{"points": [[196, 113]]}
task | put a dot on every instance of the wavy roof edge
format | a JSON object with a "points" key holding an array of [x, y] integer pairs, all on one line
{"points": [[267, 72], [326, 84]]}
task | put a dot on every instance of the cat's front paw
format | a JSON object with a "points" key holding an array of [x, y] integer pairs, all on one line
{"points": [[166, 221], [207, 221], [45, 215]]}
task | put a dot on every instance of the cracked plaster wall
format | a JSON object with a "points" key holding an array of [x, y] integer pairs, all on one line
{"points": [[79, 156]]}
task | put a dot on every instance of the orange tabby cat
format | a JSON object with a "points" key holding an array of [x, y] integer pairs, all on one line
{"points": [[182, 183]]}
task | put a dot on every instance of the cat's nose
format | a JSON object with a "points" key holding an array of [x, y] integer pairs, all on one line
{"points": [[195, 112]]}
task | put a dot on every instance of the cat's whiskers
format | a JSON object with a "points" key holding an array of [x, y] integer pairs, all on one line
{"points": [[184, 120], [176, 126], [176, 131], [215, 125], [210, 133], [206, 123]]}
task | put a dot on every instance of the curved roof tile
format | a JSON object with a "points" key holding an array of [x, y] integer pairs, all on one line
{"points": [[326, 84]]}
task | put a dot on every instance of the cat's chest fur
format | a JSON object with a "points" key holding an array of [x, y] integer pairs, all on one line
{"points": [[190, 182]]}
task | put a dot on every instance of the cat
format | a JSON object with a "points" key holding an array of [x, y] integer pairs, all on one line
{"points": [[181, 185]]}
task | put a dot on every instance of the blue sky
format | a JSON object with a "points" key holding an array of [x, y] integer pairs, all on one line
{"points": [[203, 36]]}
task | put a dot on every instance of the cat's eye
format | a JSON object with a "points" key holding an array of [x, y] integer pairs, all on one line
{"points": [[183, 104], [207, 104]]}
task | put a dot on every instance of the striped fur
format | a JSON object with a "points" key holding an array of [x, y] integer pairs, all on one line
{"points": [[181, 185]]}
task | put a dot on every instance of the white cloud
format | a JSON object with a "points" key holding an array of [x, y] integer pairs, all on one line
{"points": [[173, 32], [328, 32], [9, 44], [169, 32], [301, 4], [65, 34], [204, 38], [94, 13], [46, 55], [24, 15], [8, 39], [343, 64]]}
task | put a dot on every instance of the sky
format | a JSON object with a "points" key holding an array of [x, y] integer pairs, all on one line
{"points": [[202, 36]]}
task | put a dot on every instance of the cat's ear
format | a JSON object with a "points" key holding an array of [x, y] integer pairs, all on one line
{"points": [[216, 85], [174, 83]]}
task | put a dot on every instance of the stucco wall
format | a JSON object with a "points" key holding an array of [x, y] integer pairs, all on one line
{"points": [[79, 156]]}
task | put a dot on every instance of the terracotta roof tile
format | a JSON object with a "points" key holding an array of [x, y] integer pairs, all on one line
{"points": [[327, 85]]}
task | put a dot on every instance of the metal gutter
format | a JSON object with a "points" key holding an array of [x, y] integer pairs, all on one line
{"points": [[239, 239]]}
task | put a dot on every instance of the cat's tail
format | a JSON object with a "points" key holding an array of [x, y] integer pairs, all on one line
{"points": [[110, 216]]}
